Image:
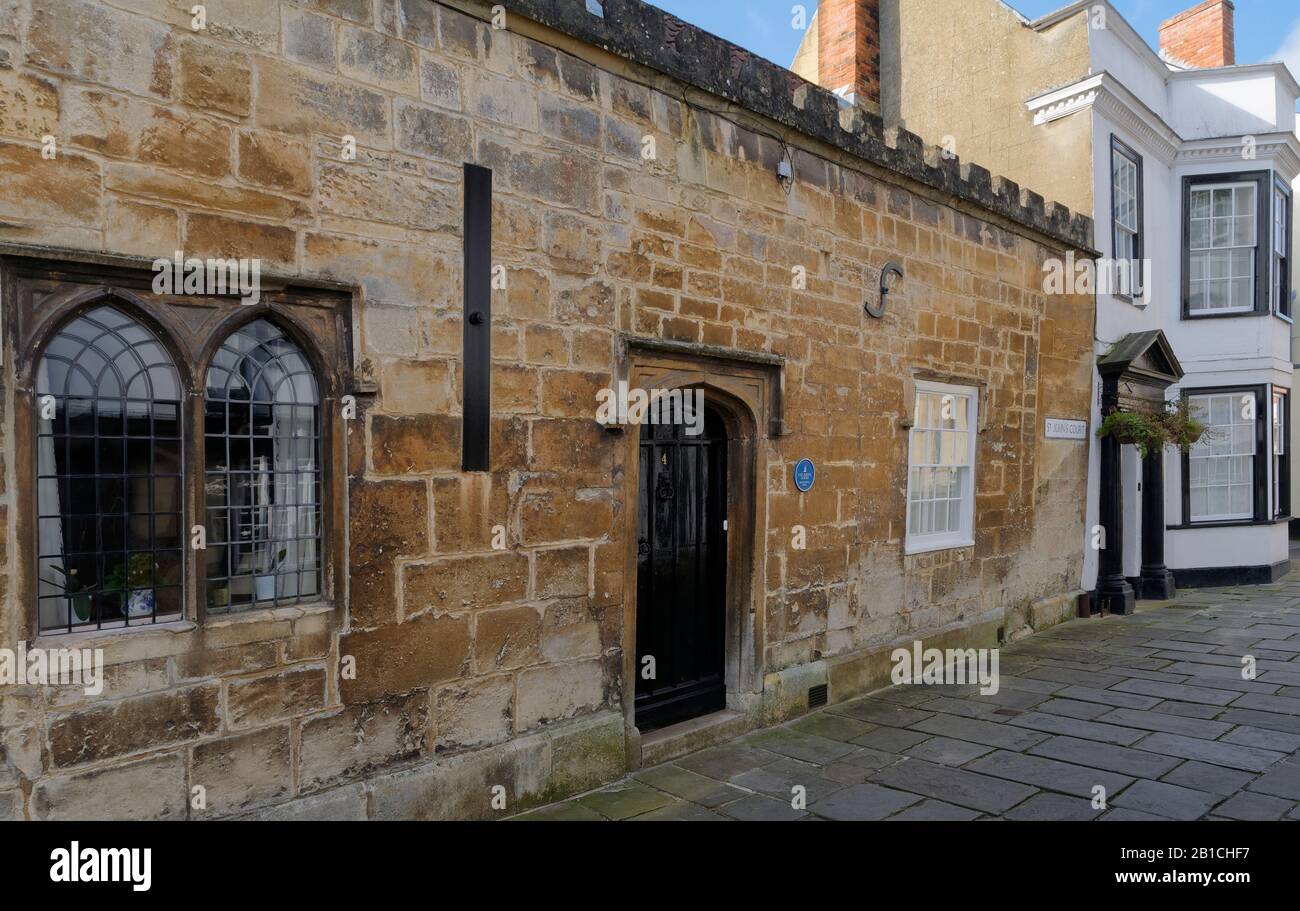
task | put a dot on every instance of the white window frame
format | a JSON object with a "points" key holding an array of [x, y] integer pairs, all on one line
{"points": [[1231, 248], [1198, 453], [964, 535]]}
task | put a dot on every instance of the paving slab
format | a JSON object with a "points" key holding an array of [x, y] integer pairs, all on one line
{"points": [[1112, 698], [1250, 759], [1268, 720], [1073, 727], [1048, 774], [870, 758], [1170, 724], [1047, 807], [878, 711], [1071, 708], [1123, 815], [1213, 779], [935, 811], [1264, 739], [890, 740], [966, 708], [975, 731], [758, 808], [797, 745], [831, 726], [1280, 781], [624, 800], [571, 811], [1188, 710], [1253, 807], [1162, 799], [681, 811], [779, 780], [1279, 704], [1181, 692], [965, 789], [688, 785], [724, 761], [946, 751], [1091, 754], [862, 802]]}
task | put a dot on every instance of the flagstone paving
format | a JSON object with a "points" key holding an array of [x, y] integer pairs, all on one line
{"points": [[1152, 708]]}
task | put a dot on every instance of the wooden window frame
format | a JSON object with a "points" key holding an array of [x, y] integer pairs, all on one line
{"points": [[38, 297], [964, 536], [1121, 149], [1281, 460], [1263, 241], [1259, 481], [1281, 291]]}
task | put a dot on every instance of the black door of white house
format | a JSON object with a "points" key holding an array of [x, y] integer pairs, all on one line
{"points": [[681, 573]]}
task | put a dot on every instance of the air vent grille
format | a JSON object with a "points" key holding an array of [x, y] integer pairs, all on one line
{"points": [[818, 696]]}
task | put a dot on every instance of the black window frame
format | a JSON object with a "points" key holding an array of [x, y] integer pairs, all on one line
{"points": [[1121, 148], [1263, 181], [1263, 454], [1284, 306], [1283, 461]]}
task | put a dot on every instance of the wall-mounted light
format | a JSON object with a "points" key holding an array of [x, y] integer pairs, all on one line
{"points": [[890, 276]]}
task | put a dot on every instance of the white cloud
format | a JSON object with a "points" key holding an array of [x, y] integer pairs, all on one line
{"points": [[1289, 52]]}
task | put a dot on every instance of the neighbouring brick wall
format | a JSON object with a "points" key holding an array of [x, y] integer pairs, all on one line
{"points": [[228, 142], [1203, 36], [848, 42]]}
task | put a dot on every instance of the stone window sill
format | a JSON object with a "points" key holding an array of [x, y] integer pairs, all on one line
{"points": [[108, 638]]}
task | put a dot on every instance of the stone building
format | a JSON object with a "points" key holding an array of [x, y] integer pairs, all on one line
{"points": [[353, 542], [1078, 105]]}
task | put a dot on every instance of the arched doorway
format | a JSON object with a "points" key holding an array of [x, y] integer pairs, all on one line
{"points": [[681, 614]]}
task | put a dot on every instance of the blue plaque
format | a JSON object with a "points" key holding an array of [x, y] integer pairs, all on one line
{"points": [[804, 475]]}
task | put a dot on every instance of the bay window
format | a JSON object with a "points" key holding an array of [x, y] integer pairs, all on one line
{"points": [[1224, 476], [1227, 236]]}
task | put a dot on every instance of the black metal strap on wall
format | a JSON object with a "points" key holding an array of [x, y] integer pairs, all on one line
{"points": [[477, 404]]}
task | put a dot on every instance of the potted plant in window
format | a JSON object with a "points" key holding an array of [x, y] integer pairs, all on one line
{"points": [[77, 593], [264, 586], [133, 579]]}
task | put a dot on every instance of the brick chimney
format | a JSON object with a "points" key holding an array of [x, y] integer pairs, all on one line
{"points": [[1201, 36], [848, 49]]}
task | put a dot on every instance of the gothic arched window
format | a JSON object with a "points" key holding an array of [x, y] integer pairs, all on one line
{"points": [[262, 472], [108, 466]]}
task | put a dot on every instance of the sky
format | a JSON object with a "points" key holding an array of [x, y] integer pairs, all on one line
{"points": [[1266, 29]]}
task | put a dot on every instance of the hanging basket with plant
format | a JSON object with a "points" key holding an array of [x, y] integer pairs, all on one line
{"points": [[1151, 431], [1181, 428]]}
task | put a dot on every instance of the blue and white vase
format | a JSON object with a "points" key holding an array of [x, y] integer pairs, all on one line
{"points": [[140, 604]]}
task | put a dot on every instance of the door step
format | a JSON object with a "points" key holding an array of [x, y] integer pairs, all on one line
{"points": [[685, 737]]}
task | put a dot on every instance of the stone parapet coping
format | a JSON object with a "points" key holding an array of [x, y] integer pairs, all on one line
{"points": [[648, 36]]}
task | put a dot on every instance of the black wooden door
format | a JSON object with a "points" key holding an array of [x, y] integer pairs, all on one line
{"points": [[681, 573]]}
